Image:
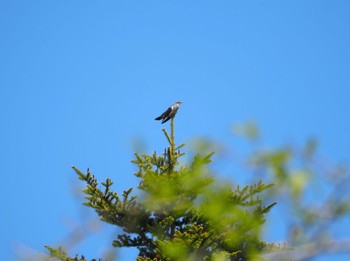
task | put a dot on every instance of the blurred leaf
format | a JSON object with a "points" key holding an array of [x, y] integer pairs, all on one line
{"points": [[310, 149], [299, 180], [248, 130], [275, 161]]}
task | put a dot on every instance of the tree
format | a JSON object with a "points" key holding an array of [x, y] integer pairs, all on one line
{"points": [[183, 212]]}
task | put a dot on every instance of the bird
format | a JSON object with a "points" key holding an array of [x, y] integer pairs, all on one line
{"points": [[169, 113]]}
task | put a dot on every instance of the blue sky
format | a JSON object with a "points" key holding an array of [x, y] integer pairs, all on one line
{"points": [[81, 82]]}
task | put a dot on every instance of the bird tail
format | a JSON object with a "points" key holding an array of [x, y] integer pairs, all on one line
{"points": [[158, 118]]}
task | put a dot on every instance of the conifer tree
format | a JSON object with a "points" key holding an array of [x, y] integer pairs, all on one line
{"points": [[181, 212]]}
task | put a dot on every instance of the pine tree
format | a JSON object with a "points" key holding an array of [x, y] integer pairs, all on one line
{"points": [[182, 212]]}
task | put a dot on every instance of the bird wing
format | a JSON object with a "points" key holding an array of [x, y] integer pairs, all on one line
{"points": [[165, 119], [164, 114]]}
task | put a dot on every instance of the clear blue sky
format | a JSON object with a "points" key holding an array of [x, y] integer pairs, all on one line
{"points": [[81, 80]]}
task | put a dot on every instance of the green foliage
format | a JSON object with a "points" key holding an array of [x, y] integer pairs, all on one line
{"points": [[60, 254], [182, 212]]}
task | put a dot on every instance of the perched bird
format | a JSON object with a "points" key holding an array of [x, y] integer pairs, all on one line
{"points": [[169, 113]]}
